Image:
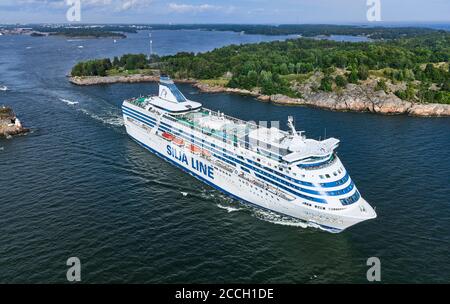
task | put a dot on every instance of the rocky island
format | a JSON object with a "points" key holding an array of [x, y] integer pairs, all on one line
{"points": [[9, 123]]}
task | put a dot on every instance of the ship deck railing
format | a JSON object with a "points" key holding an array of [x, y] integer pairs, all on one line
{"points": [[267, 187], [140, 101]]}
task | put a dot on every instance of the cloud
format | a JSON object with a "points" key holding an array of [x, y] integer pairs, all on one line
{"points": [[131, 4], [118, 5], [201, 8]]}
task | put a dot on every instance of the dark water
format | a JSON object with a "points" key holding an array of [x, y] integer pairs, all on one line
{"points": [[78, 186]]}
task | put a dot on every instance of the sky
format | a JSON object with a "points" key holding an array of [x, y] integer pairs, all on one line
{"points": [[224, 11]]}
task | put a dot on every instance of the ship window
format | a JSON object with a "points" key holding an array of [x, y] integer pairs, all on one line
{"points": [[327, 175]]}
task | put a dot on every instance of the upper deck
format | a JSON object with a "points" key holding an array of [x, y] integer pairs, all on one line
{"points": [[290, 147], [270, 142]]}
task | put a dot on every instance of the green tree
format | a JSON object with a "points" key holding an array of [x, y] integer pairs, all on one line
{"points": [[326, 84], [252, 78], [363, 72], [116, 62], [340, 81], [381, 86], [352, 77]]}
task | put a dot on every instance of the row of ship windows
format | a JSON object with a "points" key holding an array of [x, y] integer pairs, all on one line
{"points": [[282, 175], [322, 208], [332, 193], [352, 199], [318, 165], [336, 173], [222, 171], [346, 201], [291, 191], [327, 185], [256, 190], [315, 206]]}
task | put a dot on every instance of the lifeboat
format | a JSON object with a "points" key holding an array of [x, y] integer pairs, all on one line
{"points": [[195, 149], [206, 153], [178, 141], [168, 136]]}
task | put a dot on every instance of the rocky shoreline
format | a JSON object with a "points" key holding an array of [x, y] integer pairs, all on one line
{"points": [[136, 78], [9, 124], [354, 98]]}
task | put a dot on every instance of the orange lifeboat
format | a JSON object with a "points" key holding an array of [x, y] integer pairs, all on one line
{"points": [[206, 153], [168, 136], [178, 141], [195, 149]]}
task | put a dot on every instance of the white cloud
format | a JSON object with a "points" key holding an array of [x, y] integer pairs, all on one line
{"points": [[201, 8], [130, 4], [118, 5]]}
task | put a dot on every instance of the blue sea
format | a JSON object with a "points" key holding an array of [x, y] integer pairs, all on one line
{"points": [[77, 185]]}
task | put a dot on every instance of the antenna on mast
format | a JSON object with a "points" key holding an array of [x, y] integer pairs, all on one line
{"points": [[291, 125], [151, 48]]}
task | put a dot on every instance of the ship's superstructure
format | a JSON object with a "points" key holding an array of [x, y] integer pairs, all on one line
{"points": [[277, 170]]}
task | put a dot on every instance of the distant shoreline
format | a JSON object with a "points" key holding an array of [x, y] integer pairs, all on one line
{"points": [[378, 103]]}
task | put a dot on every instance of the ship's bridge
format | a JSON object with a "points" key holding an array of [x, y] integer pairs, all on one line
{"points": [[292, 147]]}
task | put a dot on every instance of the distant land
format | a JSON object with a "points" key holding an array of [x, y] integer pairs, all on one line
{"points": [[305, 30], [85, 31], [402, 75]]}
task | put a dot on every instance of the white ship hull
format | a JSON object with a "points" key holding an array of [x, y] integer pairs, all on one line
{"points": [[240, 185]]}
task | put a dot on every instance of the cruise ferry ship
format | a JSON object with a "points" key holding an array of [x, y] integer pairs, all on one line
{"points": [[282, 171]]}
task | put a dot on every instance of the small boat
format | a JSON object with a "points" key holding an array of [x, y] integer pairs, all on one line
{"points": [[195, 149], [178, 141], [3, 88], [168, 136]]}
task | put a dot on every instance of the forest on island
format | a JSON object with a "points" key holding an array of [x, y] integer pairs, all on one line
{"points": [[420, 64]]}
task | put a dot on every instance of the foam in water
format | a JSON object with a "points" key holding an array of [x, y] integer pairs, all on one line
{"points": [[112, 120], [261, 214], [278, 219], [228, 208], [69, 102]]}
